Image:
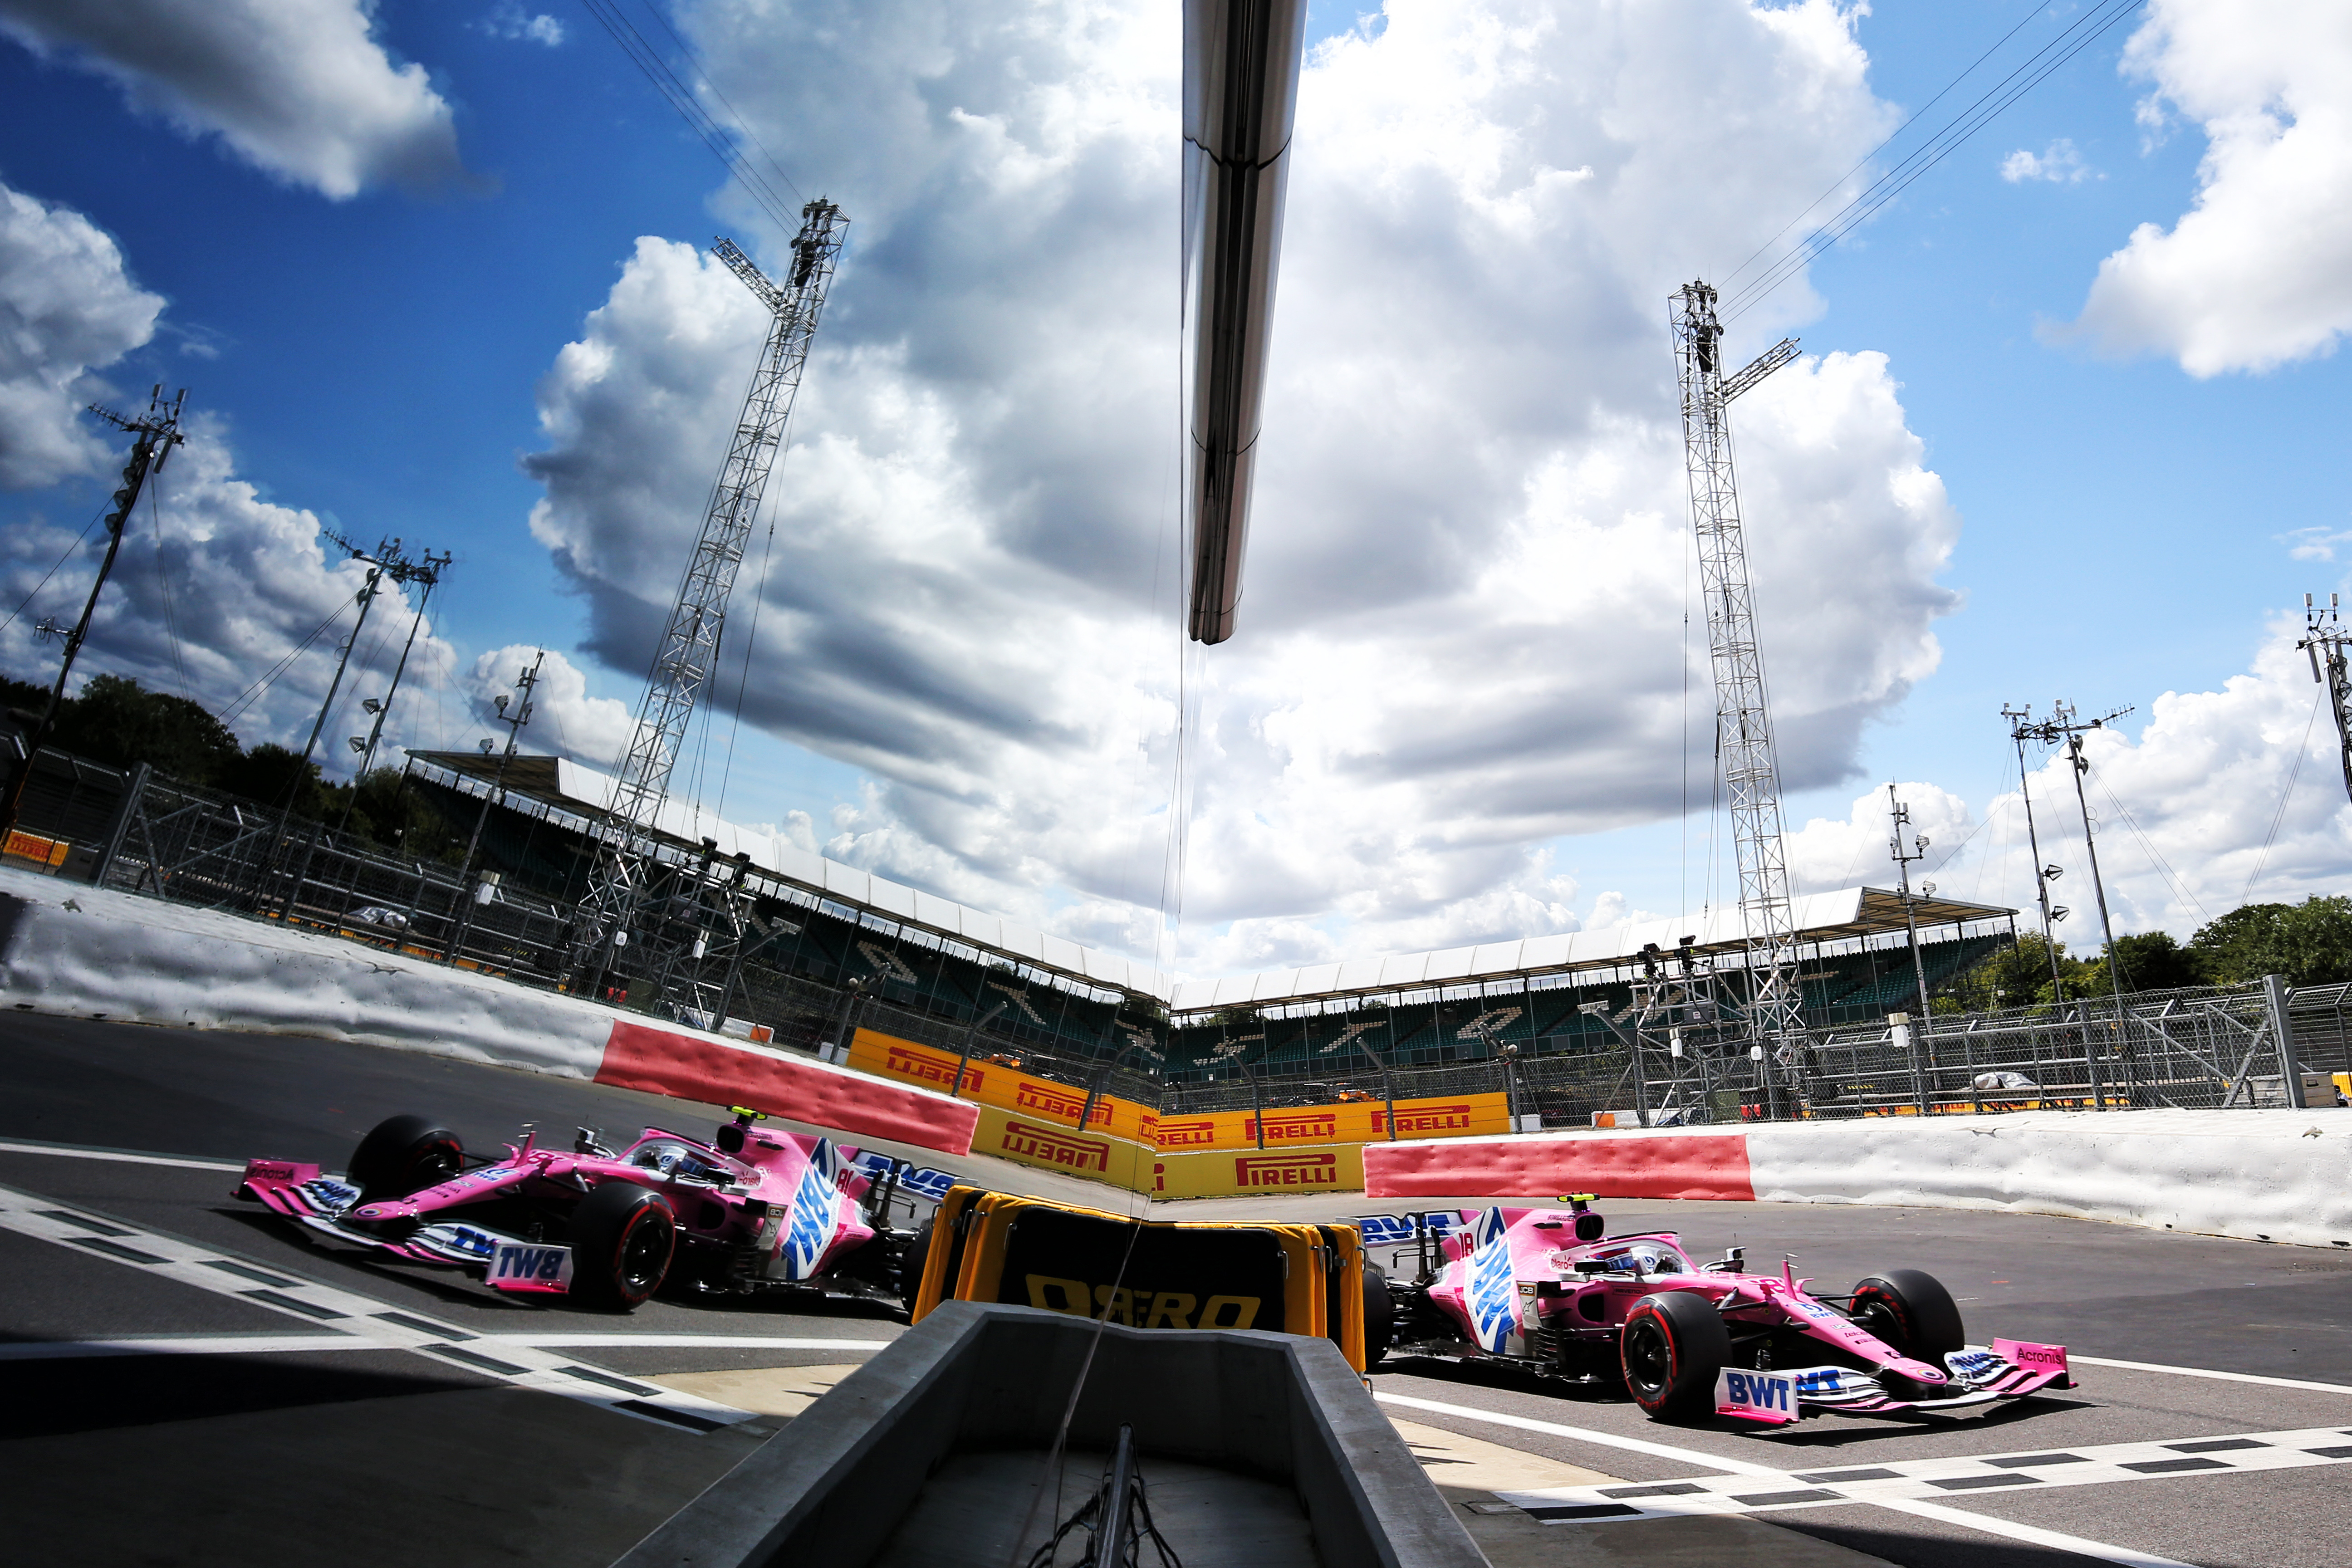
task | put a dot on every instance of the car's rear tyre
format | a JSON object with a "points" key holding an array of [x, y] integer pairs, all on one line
{"points": [[623, 1239], [911, 1265], [1379, 1314], [1912, 1312], [1671, 1348], [402, 1155]]}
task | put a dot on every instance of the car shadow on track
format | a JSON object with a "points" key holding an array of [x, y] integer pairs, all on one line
{"points": [[1826, 1432]]}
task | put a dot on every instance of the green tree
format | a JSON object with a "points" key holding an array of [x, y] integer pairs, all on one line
{"points": [[117, 721], [2153, 961], [273, 775], [2244, 944], [2018, 975]]}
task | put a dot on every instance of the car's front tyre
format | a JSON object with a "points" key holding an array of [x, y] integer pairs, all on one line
{"points": [[1379, 1314], [1671, 1348], [623, 1239], [1912, 1312], [404, 1154]]}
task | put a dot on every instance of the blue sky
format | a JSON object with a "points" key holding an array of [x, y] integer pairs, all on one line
{"points": [[2122, 527]]}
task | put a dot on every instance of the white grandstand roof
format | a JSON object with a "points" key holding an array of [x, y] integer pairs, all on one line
{"points": [[1850, 912]]}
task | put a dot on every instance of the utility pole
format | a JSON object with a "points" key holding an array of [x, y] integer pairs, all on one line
{"points": [[1903, 869], [342, 661], [2064, 726], [1751, 768], [403, 571], [2324, 638], [514, 715], [153, 434], [688, 655], [2022, 728]]}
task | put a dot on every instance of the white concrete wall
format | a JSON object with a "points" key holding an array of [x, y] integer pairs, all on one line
{"points": [[85, 952], [2267, 1175]]}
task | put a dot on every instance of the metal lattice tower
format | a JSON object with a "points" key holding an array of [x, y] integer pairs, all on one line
{"points": [[2325, 637], [1743, 726], [688, 655]]}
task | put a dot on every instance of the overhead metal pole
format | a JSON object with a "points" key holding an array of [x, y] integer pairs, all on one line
{"points": [[153, 434], [687, 655], [1751, 768], [2324, 638], [514, 716], [2022, 728], [1902, 870]]}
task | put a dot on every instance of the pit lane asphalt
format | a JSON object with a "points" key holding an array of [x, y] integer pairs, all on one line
{"points": [[369, 1456]]}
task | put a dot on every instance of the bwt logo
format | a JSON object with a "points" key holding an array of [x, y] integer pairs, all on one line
{"points": [[1755, 1390], [1287, 1170], [1179, 1134], [1429, 1119], [1313, 1128], [1055, 1147], [530, 1262], [1048, 1101]]}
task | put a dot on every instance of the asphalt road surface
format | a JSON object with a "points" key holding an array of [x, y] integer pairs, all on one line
{"points": [[188, 1381]]}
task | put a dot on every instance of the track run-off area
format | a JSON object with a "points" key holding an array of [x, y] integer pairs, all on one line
{"points": [[188, 1380]]}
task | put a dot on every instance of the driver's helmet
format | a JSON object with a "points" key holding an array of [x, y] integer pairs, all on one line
{"points": [[1640, 1257], [673, 1159]]}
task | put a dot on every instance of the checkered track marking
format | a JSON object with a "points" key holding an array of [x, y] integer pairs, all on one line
{"points": [[1926, 1479], [362, 1317]]}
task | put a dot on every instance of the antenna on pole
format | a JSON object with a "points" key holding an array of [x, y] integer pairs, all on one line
{"points": [[2324, 636], [2066, 727], [1919, 851], [153, 436], [621, 883], [1743, 727]]}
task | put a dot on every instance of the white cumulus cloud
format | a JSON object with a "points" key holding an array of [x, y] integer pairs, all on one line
{"points": [[2258, 273], [300, 89], [2059, 164], [509, 20], [67, 309], [1464, 634]]}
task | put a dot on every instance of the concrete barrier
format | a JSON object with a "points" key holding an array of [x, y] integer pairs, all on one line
{"points": [[973, 1386], [89, 952], [2262, 1174]]}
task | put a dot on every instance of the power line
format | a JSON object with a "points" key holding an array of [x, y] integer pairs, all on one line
{"points": [[2105, 13], [681, 98], [2286, 794], [51, 572]]}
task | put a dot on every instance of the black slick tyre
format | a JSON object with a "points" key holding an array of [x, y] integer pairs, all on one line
{"points": [[404, 1154], [911, 1265], [1912, 1312], [1380, 1315], [623, 1239], [1671, 1348]]}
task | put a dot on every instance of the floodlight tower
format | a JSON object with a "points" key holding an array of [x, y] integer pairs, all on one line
{"points": [[2324, 636], [1743, 726], [688, 652]]}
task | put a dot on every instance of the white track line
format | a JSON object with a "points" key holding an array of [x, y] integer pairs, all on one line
{"points": [[193, 1344], [363, 1317], [2033, 1534], [713, 1341], [121, 1156], [2125, 1556], [2223, 1376]]}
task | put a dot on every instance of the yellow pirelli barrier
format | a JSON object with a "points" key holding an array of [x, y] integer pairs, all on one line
{"points": [[1145, 1274], [1358, 1121], [1332, 1168], [1008, 1088], [1060, 1146]]}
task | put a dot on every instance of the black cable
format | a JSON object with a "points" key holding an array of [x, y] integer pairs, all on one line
{"points": [[164, 581], [702, 72], [252, 693], [680, 97], [1864, 160], [52, 571], [2285, 794], [1946, 141]]}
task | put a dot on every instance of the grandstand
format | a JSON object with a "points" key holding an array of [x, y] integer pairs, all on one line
{"points": [[931, 967]]}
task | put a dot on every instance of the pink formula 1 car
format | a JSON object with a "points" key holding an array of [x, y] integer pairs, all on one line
{"points": [[751, 1210], [1550, 1290]]}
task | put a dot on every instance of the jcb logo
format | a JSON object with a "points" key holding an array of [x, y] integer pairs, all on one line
{"points": [[1287, 1170], [1139, 1307]]}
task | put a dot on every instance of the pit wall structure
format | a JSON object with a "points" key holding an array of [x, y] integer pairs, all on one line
{"points": [[81, 952], [2278, 1175]]}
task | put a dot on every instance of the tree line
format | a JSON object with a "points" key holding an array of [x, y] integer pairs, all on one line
{"points": [[117, 723], [2309, 943]]}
